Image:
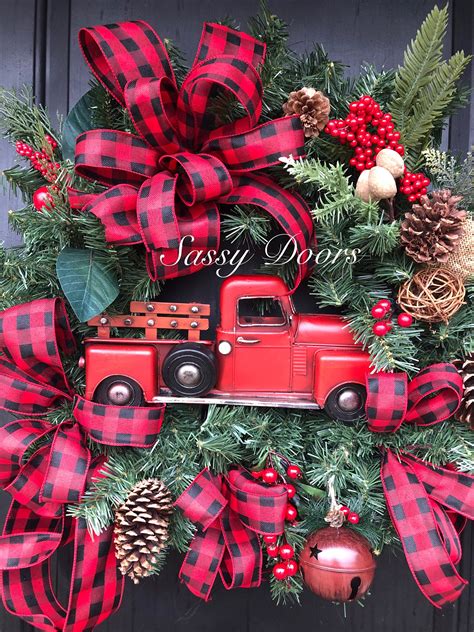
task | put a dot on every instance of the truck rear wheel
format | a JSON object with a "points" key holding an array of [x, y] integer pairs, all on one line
{"points": [[190, 370], [119, 390], [346, 402]]}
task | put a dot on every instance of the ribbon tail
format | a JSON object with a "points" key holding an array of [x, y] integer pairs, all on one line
{"points": [[242, 561], [26, 585], [203, 559], [97, 585], [415, 522], [287, 208]]}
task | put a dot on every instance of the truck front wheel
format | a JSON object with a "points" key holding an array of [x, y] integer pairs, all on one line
{"points": [[119, 390], [190, 370], [346, 402]]}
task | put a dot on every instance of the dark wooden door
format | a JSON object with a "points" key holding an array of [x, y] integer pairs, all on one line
{"points": [[38, 45]]}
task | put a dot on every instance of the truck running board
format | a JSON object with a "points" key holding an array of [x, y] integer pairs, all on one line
{"points": [[236, 401]]}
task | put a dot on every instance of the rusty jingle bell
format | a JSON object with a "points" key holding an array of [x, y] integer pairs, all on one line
{"points": [[337, 564]]}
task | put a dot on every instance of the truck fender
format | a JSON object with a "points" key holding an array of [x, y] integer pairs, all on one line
{"points": [[332, 368], [139, 362]]}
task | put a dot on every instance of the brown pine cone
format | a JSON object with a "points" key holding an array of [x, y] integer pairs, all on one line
{"points": [[465, 412], [431, 231], [141, 528], [335, 518], [313, 109]]}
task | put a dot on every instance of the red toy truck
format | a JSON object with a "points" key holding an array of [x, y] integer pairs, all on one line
{"points": [[260, 357]]}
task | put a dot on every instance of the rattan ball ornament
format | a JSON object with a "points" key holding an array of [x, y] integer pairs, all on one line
{"points": [[461, 261], [432, 295]]}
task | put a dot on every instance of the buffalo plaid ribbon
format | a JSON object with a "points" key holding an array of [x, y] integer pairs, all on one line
{"points": [[164, 185], [42, 480], [432, 396], [418, 495], [229, 512]]}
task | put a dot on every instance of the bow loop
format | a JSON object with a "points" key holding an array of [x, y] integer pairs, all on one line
{"points": [[32, 336], [414, 491], [202, 502], [217, 40], [152, 106], [260, 147], [431, 397], [119, 53], [229, 74], [260, 508], [124, 157]]}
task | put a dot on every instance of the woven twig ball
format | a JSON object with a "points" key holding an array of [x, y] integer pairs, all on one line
{"points": [[432, 295]]}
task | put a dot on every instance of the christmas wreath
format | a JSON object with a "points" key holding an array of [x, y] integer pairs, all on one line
{"points": [[338, 433]]}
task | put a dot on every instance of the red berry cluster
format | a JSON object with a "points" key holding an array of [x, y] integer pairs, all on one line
{"points": [[287, 566], [414, 185], [368, 130], [42, 161], [382, 312], [270, 476], [351, 516]]}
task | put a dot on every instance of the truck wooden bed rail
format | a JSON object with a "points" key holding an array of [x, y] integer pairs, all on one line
{"points": [[152, 316]]}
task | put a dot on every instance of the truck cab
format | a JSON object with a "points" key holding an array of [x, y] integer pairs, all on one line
{"points": [[264, 354]]}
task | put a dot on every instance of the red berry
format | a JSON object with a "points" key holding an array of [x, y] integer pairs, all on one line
{"points": [[273, 550], [412, 198], [269, 476], [353, 517], [286, 551], [270, 539], [360, 166], [369, 164], [255, 474], [388, 324], [405, 320], [291, 568], [353, 143], [396, 135], [380, 328], [291, 513], [400, 149], [385, 303], [293, 471], [353, 106], [279, 571], [42, 198], [353, 162], [378, 311], [423, 191], [291, 490], [344, 510]]}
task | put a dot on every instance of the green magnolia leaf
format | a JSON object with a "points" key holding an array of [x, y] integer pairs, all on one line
{"points": [[80, 119], [88, 287]]}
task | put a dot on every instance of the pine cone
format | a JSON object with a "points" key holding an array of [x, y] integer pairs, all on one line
{"points": [[335, 518], [313, 108], [465, 412], [141, 528], [431, 231]]}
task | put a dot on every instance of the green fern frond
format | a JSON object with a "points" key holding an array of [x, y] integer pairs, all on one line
{"points": [[422, 57]]}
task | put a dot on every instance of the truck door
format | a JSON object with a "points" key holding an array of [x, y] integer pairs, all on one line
{"points": [[262, 346]]}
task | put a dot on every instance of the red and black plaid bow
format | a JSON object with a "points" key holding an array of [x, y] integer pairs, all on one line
{"points": [[166, 183], [229, 512], [431, 397], [416, 494], [32, 381]]}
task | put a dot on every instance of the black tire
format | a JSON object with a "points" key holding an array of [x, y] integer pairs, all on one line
{"points": [[201, 376], [333, 403], [102, 392]]}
